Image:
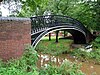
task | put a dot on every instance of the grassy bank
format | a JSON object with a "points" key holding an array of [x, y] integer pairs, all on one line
{"points": [[51, 47]]}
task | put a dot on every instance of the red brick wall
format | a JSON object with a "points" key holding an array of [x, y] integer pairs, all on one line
{"points": [[14, 34]]}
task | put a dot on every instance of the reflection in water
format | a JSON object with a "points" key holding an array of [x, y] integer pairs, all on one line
{"points": [[88, 68]]}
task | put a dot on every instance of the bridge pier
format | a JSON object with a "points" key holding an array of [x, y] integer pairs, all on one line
{"points": [[49, 36], [57, 32]]}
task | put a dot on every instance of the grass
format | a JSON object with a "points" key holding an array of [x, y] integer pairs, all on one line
{"points": [[51, 47], [53, 37]]}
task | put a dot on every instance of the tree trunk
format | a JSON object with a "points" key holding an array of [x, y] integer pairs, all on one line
{"points": [[64, 33]]}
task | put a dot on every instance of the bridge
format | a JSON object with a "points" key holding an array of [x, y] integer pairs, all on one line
{"points": [[42, 25]]}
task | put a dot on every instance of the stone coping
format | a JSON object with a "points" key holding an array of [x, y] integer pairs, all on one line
{"points": [[14, 19]]}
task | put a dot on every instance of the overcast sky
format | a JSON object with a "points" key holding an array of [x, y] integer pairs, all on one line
{"points": [[5, 12], [12, 6]]}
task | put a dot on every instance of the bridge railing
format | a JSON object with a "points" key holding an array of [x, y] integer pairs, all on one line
{"points": [[43, 22]]}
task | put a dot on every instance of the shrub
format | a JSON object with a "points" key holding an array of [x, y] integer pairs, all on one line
{"points": [[26, 65], [96, 42]]}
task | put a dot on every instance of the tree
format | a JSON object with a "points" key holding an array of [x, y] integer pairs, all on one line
{"points": [[60, 7], [95, 10], [33, 7], [42, 7]]}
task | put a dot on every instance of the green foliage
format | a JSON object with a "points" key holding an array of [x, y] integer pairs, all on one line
{"points": [[83, 55], [33, 7], [28, 7], [97, 39], [23, 66], [85, 15], [67, 68], [96, 42]]}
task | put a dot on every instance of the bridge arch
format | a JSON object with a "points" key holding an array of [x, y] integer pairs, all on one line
{"points": [[42, 25], [79, 37]]}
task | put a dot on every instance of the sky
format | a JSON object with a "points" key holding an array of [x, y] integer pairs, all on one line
{"points": [[12, 7], [5, 12]]}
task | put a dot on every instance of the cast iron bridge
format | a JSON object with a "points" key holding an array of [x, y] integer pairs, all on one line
{"points": [[42, 25]]}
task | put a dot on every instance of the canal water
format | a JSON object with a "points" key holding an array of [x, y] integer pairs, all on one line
{"points": [[88, 68]]}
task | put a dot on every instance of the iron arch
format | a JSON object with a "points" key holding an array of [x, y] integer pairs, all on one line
{"points": [[79, 36]]}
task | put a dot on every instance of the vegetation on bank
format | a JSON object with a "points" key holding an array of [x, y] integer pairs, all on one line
{"points": [[26, 65], [63, 47]]}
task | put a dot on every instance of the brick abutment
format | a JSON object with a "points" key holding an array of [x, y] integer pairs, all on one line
{"points": [[15, 33]]}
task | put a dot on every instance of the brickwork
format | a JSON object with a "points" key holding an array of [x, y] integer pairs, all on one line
{"points": [[14, 34]]}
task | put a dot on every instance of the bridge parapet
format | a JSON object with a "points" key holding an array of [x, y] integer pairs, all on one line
{"points": [[14, 19], [40, 22]]}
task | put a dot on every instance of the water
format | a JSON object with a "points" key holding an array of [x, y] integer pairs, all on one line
{"points": [[87, 67]]}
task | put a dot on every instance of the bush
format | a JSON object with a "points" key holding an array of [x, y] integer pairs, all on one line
{"points": [[96, 42], [26, 65], [83, 55]]}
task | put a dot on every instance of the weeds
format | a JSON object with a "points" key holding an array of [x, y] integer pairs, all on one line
{"points": [[67, 68], [26, 65], [96, 43]]}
